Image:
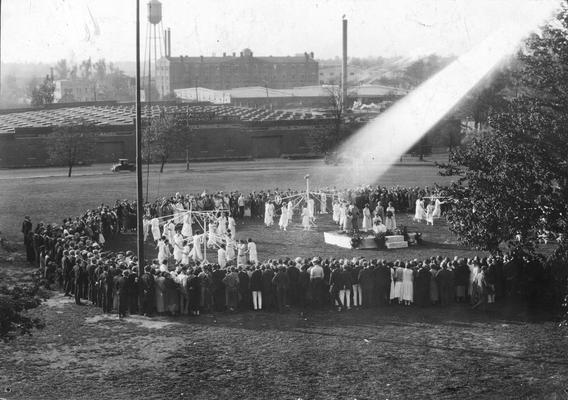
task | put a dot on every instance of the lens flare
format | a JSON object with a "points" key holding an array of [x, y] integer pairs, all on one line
{"points": [[381, 142]]}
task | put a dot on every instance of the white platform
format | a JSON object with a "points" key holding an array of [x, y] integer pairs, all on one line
{"points": [[344, 240], [395, 242]]}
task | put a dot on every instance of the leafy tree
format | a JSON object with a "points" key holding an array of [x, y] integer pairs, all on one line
{"points": [[72, 144], [513, 181], [42, 93], [324, 141], [62, 69]]}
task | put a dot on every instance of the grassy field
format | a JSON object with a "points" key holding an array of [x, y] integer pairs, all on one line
{"points": [[393, 352]]}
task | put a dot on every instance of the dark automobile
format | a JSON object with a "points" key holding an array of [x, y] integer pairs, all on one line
{"points": [[123, 165]]}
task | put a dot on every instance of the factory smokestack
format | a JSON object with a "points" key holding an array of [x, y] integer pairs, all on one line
{"points": [[344, 66], [168, 42]]}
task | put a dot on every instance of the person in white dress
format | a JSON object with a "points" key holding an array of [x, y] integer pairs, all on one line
{"points": [[430, 214], [437, 209], [283, 222], [378, 226], [342, 215], [187, 230], [230, 248], [169, 230], [178, 246], [323, 204], [232, 225], [336, 211], [269, 214], [311, 208], [185, 253], [420, 213], [407, 290], [145, 226], [390, 218], [290, 211], [252, 253], [222, 256], [241, 253], [306, 218], [163, 249], [212, 235], [196, 253], [155, 223], [367, 219], [222, 224]]}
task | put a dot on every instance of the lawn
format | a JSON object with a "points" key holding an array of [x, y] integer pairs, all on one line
{"points": [[393, 352]]}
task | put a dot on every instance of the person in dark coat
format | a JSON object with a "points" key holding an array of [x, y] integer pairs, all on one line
{"points": [[422, 286], [445, 284], [67, 264], [267, 289], [244, 290], [146, 291], [281, 283], [194, 295], [121, 288], [218, 288], [461, 276], [367, 282], [335, 285], [107, 280], [132, 287], [256, 288], [293, 278], [303, 286], [383, 283], [79, 275]]}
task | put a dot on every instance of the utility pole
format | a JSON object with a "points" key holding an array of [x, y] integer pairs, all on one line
{"points": [[139, 204]]}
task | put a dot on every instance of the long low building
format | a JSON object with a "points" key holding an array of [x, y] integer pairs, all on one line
{"points": [[218, 131]]}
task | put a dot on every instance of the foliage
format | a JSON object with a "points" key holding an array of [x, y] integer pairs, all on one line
{"points": [[71, 144], [356, 241], [326, 140], [42, 94], [13, 302], [163, 136], [514, 174], [380, 240]]}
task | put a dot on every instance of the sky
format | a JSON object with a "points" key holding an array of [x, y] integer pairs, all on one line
{"points": [[48, 30]]}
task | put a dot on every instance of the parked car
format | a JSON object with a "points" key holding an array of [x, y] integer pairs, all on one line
{"points": [[123, 165]]}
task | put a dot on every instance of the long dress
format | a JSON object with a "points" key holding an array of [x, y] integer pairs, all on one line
{"points": [[222, 225], [407, 285], [155, 223], [336, 211], [241, 254], [323, 204], [232, 226], [230, 249], [437, 209], [253, 256], [430, 214], [419, 214], [390, 222], [196, 252], [267, 215], [178, 247], [162, 253], [283, 222], [399, 276], [305, 218], [185, 254], [342, 215], [290, 211], [186, 229], [311, 207], [367, 219]]}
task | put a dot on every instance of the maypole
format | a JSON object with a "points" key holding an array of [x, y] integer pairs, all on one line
{"points": [[139, 203]]}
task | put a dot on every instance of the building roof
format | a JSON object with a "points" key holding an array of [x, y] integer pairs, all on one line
{"points": [[230, 58], [124, 114]]}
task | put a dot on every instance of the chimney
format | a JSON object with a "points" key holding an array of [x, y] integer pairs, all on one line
{"points": [[344, 65], [169, 42]]}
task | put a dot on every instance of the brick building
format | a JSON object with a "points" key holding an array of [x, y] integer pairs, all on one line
{"points": [[227, 72]]}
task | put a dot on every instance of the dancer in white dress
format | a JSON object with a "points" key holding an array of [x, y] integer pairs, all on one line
{"points": [[323, 204], [230, 248], [290, 211], [185, 253], [437, 209], [232, 225], [419, 214], [336, 211], [252, 253], [187, 230], [178, 246], [367, 219], [163, 249], [342, 214], [283, 222], [430, 214], [196, 253], [306, 218], [390, 219], [155, 223], [269, 214], [222, 224], [311, 208]]}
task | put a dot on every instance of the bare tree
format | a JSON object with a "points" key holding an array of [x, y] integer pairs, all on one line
{"points": [[71, 144]]}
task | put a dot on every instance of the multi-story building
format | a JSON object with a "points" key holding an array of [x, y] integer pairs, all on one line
{"points": [[70, 91], [232, 71]]}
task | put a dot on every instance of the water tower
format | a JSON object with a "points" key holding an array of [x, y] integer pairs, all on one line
{"points": [[153, 49]]}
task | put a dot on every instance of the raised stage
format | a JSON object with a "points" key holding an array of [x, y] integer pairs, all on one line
{"points": [[342, 239]]}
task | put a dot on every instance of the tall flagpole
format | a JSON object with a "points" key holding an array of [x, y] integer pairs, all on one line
{"points": [[139, 204]]}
